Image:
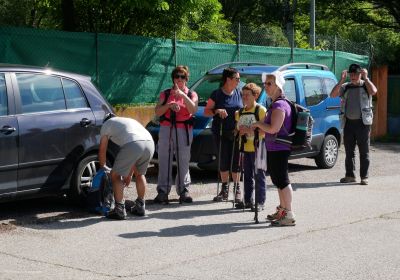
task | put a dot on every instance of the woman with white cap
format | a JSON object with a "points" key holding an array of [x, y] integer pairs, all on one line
{"points": [[277, 123]]}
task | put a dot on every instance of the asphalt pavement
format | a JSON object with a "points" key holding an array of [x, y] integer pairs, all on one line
{"points": [[343, 231]]}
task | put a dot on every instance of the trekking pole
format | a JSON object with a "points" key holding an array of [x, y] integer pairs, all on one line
{"points": [[256, 168], [173, 121], [219, 156], [241, 159], [255, 179], [230, 171], [169, 155]]}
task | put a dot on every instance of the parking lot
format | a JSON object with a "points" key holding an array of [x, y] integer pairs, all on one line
{"points": [[342, 232]]}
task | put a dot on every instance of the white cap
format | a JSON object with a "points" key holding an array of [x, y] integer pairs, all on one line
{"points": [[279, 80]]}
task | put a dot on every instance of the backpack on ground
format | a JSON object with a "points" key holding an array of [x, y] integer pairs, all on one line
{"points": [[100, 197], [302, 125]]}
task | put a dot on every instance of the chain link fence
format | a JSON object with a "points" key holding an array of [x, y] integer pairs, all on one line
{"points": [[133, 69]]}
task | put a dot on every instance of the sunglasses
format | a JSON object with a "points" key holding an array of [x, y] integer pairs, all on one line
{"points": [[268, 84], [177, 76], [236, 78]]}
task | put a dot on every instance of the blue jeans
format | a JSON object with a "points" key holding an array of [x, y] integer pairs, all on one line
{"points": [[250, 179]]}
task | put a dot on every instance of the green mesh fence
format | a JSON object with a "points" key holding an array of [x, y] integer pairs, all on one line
{"points": [[132, 69]]}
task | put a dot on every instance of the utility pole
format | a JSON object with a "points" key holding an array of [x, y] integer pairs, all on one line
{"points": [[312, 24]]}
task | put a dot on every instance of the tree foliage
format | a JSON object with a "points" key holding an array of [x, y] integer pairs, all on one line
{"points": [[358, 21]]}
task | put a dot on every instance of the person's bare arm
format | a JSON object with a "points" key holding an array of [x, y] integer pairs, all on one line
{"points": [[371, 88], [336, 89], [103, 151]]}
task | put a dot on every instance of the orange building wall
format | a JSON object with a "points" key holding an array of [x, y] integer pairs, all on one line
{"points": [[380, 79]]}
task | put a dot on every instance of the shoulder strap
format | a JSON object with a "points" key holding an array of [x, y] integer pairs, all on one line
{"points": [[167, 92], [256, 112]]}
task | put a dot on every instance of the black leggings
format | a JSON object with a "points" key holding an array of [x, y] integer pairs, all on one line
{"points": [[226, 153], [277, 165]]}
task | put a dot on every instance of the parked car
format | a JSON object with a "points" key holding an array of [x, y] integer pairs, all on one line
{"points": [[306, 84], [49, 132]]}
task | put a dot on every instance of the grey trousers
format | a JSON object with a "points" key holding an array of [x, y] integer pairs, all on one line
{"points": [[167, 149]]}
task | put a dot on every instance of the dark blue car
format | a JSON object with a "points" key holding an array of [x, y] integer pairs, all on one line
{"points": [[306, 84], [49, 132]]}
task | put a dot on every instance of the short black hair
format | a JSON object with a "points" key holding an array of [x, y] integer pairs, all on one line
{"points": [[229, 72], [354, 68], [108, 116]]}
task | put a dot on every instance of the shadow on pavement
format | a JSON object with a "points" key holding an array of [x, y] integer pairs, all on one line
{"points": [[49, 213], [193, 230]]}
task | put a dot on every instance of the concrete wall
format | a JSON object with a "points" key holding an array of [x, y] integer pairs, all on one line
{"points": [[142, 114]]}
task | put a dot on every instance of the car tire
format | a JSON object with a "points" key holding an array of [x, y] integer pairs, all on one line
{"points": [[329, 152], [82, 177]]}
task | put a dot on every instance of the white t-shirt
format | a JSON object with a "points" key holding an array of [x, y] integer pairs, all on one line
{"points": [[122, 130]]}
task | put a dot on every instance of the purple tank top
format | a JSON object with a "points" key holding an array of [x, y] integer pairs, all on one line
{"points": [[270, 143]]}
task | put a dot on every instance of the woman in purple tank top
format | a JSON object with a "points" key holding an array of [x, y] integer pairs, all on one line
{"points": [[278, 122]]}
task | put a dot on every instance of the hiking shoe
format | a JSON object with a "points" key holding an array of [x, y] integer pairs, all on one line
{"points": [[276, 215], [364, 181], [185, 198], [284, 221], [138, 208], [118, 213], [161, 198], [243, 205], [260, 207], [223, 194], [347, 179], [238, 194]]}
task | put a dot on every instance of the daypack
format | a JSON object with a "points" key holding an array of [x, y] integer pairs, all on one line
{"points": [[100, 197], [187, 123], [303, 123], [257, 117]]}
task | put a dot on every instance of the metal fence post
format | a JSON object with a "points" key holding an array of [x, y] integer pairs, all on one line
{"points": [[96, 37], [334, 54], [238, 43], [292, 44], [174, 50]]}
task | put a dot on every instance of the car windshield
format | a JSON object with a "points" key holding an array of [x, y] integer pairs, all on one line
{"points": [[209, 83]]}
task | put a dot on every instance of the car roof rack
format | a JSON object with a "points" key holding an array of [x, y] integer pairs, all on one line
{"points": [[238, 63], [302, 65]]}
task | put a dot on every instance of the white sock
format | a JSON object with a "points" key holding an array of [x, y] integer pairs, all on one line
{"points": [[289, 214]]}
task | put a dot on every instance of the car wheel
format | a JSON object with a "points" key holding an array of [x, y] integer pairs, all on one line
{"points": [[329, 153], [82, 177]]}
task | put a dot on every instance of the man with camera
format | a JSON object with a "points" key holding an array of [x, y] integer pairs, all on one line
{"points": [[356, 119]]}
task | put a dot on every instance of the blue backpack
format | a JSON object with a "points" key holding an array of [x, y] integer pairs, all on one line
{"points": [[100, 197]]}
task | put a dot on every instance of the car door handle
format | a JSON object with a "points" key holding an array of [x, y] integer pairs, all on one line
{"points": [[85, 122], [7, 129]]}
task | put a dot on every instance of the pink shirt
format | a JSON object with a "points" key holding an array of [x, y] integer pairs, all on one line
{"points": [[183, 114]]}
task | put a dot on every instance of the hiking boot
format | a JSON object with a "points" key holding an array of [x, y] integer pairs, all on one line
{"points": [[118, 213], [138, 208], [276, 215], [223, 194], [185, 198], [243, 205], [161, 198], [347, 179], [238, 194], [284, 220], [364, 181], [260, 207]]}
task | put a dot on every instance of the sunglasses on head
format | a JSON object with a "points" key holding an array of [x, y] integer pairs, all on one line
{"points": [[177, 76]]}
